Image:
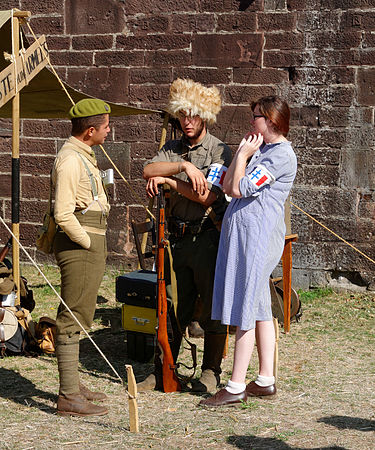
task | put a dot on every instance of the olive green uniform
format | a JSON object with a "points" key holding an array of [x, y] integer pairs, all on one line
{"points": [[194, 249], [80, 250]]}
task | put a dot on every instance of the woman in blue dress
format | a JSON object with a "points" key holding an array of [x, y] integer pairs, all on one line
{"points": [[251, 245]]}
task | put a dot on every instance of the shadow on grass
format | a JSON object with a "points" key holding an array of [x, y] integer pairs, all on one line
{"points": [[254, 442], [112, 342], [19, 389], [345, 422]]}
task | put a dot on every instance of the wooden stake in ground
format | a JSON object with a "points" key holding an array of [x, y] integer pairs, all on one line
{"points": [[276, 354], [133, 407]]}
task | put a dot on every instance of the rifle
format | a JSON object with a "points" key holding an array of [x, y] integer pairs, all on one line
{"points": [[5, 249], [169, 377]]}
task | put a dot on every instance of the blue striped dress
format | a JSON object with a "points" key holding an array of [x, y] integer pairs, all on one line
{"points": [[252, 239]]}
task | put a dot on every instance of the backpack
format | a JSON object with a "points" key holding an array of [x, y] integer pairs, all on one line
{"points": [[15, 332]]}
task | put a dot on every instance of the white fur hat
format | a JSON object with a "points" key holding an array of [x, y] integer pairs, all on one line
{"points": [[195, 99]]}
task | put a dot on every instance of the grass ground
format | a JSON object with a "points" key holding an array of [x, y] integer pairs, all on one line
{"points": [[326, 383]]}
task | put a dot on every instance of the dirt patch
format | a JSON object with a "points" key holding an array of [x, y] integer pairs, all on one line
{"points": [[326, 393]]}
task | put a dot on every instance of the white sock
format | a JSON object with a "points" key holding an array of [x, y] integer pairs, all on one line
{"points": [[235, 388], [264, 381]]}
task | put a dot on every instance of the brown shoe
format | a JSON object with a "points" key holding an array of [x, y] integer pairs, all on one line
{"points": [[195, 330], [224, 398], [91, 395], [254, 390], [77, 405]]}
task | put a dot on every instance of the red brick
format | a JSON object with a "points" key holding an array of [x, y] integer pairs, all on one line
{"points": [[32, 210], [366, 57], [35, 187], [143, 150], [70, 58], [227, 50], [358, 20], [119, 58], [148, 25], [47, 128], [284, 41], [135, 195], [36, 165], [155, 96], [259, 76], [119, 152], [326, 75], [305, 116], [111, 84], [276, 58], [336, 40], [341, 95], [5, 184], [313, 21], [327, 176], [134, 132], [97, 42], [136, 170], [230, 5], [153, 42], [5, 145], [146, 76], [235, 95], [205, 76], [277, 21], [366, 206], [347, 4], [47, 25], [5, 163], [35, 146], [237, 22], [58, 42], [303, 5], [326, 138], [368, 40], [232, 124], [147, 7], [366, 82], [168, 59], [317, 156], [38, 7], [192, 23], [85, 18]]}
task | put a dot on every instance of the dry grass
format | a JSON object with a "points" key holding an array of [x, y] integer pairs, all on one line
{"points": [[326, 393]]}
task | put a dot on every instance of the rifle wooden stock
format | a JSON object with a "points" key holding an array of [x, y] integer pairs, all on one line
{"points": [[5, 250], [170, 380]]}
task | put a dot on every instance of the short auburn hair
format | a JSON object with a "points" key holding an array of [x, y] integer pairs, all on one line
{"points": [[276, 110], [81, 124]]}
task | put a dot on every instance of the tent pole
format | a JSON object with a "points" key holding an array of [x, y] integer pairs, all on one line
{"points": [[16, 169]]}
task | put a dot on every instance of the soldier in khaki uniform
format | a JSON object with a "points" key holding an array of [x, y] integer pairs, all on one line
{"points": [[81, 210], [194, 167]]}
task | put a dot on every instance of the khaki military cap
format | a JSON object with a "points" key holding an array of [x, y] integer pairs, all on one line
{"points": [[89, 107]]}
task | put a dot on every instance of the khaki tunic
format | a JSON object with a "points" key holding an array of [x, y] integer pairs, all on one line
{"points": [[209, 151], [73, 190]]}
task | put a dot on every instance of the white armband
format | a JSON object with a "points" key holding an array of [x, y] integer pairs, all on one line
{"points": [[216, 174], [260, 176]]}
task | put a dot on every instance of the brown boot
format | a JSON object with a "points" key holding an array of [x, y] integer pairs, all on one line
{"points": [[77, 405], [212, 356], [195, 330], [91, 395], [148, 384]]}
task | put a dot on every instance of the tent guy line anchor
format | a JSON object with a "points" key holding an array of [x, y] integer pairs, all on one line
{"points": [[132, 387]]}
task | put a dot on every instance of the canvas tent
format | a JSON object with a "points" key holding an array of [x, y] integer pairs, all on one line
{"points": [[42, 98]]}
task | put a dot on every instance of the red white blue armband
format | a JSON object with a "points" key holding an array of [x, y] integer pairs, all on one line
{"points": [[216, 174], [260, 176]]}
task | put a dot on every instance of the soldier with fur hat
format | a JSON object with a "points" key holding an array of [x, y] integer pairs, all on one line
{"points": [[80, 211], [194, 168]]}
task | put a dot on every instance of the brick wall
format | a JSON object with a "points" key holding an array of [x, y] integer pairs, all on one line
{"points": [[318, 54]]}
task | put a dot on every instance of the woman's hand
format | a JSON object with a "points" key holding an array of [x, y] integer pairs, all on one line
{"points": [[250, 144], [152, 185]]}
